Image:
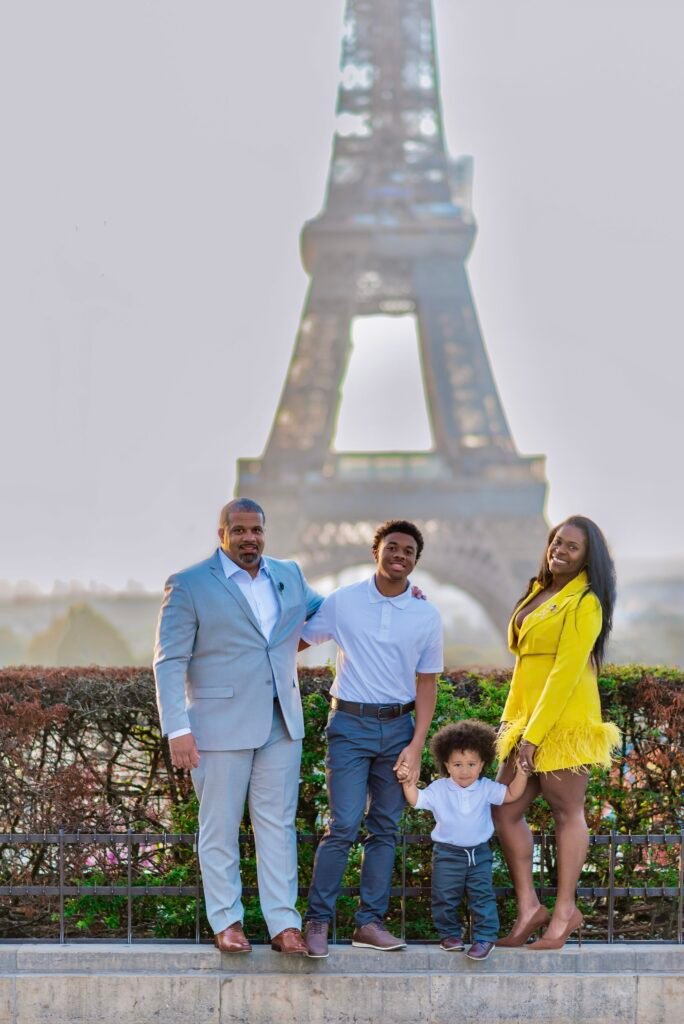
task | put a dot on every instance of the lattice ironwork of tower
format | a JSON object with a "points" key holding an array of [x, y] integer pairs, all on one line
{"points": [[393, 238]]}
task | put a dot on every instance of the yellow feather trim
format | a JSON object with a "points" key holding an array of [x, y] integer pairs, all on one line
{"points": [[563, 746]]}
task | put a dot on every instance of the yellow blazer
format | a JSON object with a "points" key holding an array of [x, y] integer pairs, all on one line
{"points": [[554, 701]]}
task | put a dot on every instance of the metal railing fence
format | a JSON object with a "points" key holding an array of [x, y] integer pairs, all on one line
{"points": [[64, 889]]}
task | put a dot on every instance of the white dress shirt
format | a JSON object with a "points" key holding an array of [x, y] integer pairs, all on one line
{"points": [[259, 592], [382, 641]]}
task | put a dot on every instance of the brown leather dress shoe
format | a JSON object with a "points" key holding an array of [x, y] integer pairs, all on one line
{"points": [[289, 941], [232, 940]]}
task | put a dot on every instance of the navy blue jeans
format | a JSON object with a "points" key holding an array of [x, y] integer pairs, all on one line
{"points": [[457, 870], [361, 787]]}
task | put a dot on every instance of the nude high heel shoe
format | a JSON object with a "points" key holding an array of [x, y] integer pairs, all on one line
{"points": [[574, 924], [539, 919]]}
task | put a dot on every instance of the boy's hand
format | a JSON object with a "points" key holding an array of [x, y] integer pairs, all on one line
{"points": [[409, 763]]}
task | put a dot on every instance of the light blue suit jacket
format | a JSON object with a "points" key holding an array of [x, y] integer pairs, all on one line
{"points": [[213, 667]]}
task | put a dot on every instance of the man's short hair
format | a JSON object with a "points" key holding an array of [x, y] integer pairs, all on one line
{"points": [[239, 505], [398, 526]]}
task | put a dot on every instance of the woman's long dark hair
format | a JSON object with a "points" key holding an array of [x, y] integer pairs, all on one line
{"points": [[600, 570]]}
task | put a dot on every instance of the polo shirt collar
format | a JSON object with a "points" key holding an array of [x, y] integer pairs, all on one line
{"points": [[230, 568], [400, 601], [464, 789]]}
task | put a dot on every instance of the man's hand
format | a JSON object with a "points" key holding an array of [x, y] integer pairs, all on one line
{"points": [[184, 752], [408, 764]]}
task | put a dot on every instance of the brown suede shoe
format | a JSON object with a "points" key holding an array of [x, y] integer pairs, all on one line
{"points": [[232, 940], [316, 938], [289, 941], [452, 944], [374, 935]]}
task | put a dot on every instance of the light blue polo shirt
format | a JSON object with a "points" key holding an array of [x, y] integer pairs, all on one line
{"points": [[463, 815], [382, 642]]}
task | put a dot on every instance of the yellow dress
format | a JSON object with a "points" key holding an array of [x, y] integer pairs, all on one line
{"points": [[554, 701]]}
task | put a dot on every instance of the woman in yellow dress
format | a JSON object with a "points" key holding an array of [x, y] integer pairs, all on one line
{"points": [[552, 719]]}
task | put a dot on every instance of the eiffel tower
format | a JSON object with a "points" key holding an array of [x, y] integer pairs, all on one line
{"points": [[393, 239]]}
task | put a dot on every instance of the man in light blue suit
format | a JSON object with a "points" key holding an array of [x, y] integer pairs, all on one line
{"points": [[225, 671]]}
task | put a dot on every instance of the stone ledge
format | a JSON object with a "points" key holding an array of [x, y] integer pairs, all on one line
{"points": [[178, 984], [152, 958]]}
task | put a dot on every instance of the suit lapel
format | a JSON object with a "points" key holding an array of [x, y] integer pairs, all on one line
{"points": [[514, 633], [279, 588], [216, 569], [553, 605]]}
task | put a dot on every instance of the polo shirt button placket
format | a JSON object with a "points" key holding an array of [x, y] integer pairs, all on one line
{"points": [[385, 620]]}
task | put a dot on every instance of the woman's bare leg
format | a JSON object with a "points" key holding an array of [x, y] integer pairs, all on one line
{"points": [[517, 843], [565, 793]]}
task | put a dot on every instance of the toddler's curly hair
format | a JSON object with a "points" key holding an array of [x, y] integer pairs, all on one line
{"points": [[468, 734]]}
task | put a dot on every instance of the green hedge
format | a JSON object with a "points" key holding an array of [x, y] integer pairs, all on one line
{"points": [[80, 748]]}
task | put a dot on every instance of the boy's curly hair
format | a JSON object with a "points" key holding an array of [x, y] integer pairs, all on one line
{"points": [[468, 734]]}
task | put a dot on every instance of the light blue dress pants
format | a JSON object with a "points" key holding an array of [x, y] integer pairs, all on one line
{"points": [[268, 778]]}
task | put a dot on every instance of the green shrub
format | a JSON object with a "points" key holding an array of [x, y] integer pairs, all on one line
{"points": [[80, 749]]}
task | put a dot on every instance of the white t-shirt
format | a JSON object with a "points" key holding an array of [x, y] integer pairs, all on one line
{"points": [[382, 641], [463, 814]]}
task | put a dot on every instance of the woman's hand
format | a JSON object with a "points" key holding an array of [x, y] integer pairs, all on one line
{"points": [[502, 728], [526, 757]]}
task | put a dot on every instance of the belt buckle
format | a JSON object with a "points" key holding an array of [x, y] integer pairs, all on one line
{"points": [[387, 711]]}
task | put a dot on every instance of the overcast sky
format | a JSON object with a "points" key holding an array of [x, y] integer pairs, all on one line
{"points": [[159, 160]]}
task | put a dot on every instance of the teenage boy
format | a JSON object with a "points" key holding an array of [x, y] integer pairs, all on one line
{"points": [[390, 653]]}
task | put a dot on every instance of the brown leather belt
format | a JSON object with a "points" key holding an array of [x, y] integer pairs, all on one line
{"points": [[381, 711]]}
